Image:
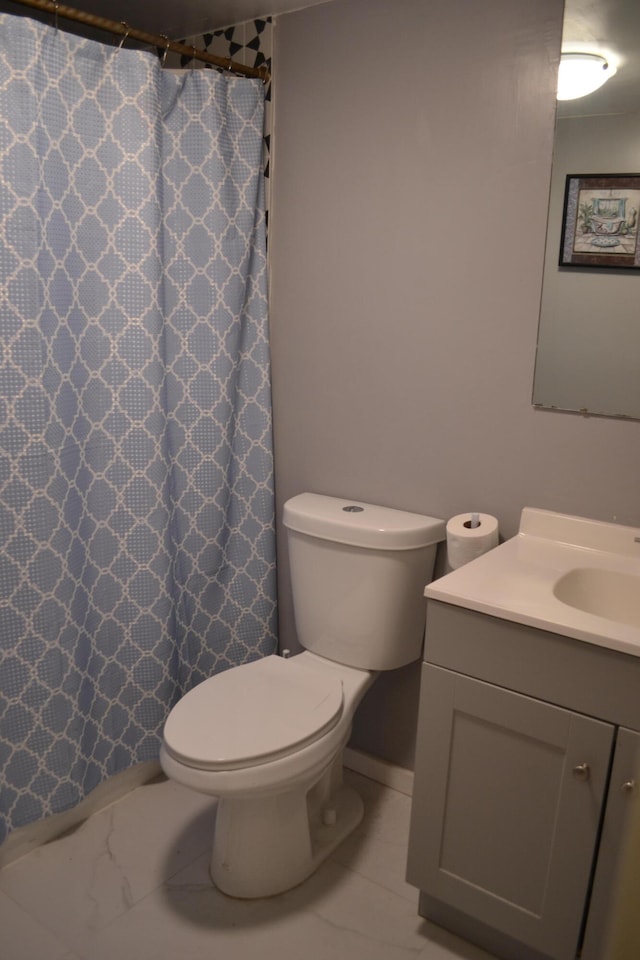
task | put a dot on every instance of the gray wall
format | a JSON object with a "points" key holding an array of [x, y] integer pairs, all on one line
{"points": [[413, 148]]}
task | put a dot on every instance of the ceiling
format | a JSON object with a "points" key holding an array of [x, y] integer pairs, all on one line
{"points": [[186, 18], [177, 19]]}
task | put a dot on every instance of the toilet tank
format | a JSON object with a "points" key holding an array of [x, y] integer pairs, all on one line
{"points": [[358, 574]]}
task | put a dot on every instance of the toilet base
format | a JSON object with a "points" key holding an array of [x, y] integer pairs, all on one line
{"points": [[267, 845]]}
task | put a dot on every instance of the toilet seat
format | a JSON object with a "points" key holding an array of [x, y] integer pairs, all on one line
{"points": [[253, 714]]}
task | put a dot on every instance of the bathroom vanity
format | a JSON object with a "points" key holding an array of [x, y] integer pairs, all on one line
{"points": [[528, 749]]}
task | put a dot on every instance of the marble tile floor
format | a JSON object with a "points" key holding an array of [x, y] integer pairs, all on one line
{"points": [[131, 883]]}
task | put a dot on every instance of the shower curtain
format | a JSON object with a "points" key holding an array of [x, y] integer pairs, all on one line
{"points": [[136, 483]]}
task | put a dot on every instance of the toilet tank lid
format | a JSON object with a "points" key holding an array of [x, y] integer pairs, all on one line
{"points": [[361, 524]]}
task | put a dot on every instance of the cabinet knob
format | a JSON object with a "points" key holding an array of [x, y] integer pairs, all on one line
{"points": [[628, 786], [582, 771]]}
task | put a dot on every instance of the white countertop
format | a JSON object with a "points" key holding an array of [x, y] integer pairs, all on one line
{"points": [[515, 581]]}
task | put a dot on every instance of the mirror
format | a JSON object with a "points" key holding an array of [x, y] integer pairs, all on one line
{"points": [[588, 355]]}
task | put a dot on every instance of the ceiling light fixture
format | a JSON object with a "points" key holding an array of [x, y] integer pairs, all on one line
{"points": [[582, 73]]}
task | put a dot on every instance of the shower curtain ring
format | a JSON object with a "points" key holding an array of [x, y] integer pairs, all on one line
{"points": [[193, 57], [55, 14], [166, 48], [127, 31]]}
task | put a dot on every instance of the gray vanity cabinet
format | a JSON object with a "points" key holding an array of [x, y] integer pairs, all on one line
{"points": [[623, 792], [509, 843], [506, 821]]}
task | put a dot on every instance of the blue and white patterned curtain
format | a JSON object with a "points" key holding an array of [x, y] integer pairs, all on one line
{"points": [[136, 503]]}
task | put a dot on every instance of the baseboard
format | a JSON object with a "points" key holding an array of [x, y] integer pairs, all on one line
{"points": [[390, 775], [25, 839]]}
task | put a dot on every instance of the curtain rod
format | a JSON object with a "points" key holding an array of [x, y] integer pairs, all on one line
{"points": [[154, 40]]}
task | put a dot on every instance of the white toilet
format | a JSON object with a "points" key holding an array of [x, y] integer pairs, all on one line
{"points": [[266, 737]]}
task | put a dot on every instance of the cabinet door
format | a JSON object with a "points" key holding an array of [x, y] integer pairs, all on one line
{"points": [[623, 801], [507, 800]]}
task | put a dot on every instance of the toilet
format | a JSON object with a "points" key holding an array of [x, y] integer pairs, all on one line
{"points": [[266, 738]]}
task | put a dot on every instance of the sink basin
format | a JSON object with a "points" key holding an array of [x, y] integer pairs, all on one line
{"points": [[605, 593], [560, 573]]}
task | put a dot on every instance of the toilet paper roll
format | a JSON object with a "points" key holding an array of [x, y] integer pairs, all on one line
{"points": [[466, 542]]}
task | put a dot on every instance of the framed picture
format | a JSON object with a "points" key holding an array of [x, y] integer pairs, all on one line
{"points": [[600, 221]]}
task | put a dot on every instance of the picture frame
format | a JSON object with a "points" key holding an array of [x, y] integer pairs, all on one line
{"points": [[600, 221]]}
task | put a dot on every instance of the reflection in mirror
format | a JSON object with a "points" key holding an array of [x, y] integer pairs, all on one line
{"points": [[588, 356]]}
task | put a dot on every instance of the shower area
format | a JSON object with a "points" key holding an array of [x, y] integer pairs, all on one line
{"points": [[137, 551]]}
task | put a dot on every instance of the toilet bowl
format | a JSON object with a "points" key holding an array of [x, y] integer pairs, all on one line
{"points": [[282, 807], [266, 737]]}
